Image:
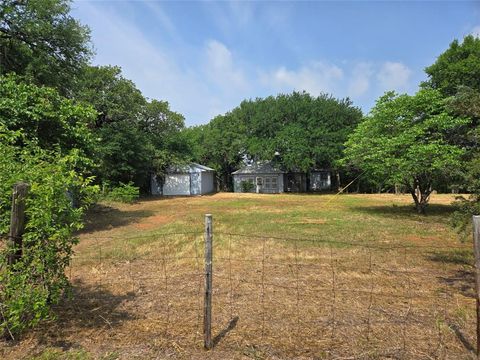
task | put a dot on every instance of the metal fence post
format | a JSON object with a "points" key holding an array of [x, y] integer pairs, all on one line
{"points": [[17, 222], [207, 314], [476, 247]]}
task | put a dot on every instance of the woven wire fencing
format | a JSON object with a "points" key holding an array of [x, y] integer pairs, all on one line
{"points": [[278, 297]]}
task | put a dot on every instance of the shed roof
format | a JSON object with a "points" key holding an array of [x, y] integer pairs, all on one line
{"points": [[186, 169], [260, 167]]}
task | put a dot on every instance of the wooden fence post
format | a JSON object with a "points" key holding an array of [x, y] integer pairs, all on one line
{"points": [[476, 247], [17, 222], [207, 314]]}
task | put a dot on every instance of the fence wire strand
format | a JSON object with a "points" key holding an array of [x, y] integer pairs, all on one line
{"points": [[291, 296]]}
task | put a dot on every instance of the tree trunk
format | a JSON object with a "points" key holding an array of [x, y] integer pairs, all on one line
{"points": [[421, 195]]}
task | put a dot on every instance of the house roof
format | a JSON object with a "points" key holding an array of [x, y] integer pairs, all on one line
{"points": [[189, 168], [260, 167]]}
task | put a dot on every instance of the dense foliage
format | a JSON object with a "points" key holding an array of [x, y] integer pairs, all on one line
{"points": [[456, 74], [458, 66], [41, 41], [126, 193], [135, 136], [37, 280], [408, 140], [64, 126], [307, 132], [45, 118]]}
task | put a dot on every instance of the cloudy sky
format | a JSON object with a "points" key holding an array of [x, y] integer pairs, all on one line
{"points": [[204, 58]]}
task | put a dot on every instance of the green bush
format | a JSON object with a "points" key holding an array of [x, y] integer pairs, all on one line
{"points": [[37, 280], [126, 193], [247, 186], [462, 217]]}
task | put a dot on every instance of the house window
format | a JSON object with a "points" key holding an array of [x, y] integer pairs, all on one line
{"points": [[268, 183], [271, 183], [274, 182]]}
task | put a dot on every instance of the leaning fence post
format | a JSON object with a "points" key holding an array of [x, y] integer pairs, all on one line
{"points": [[207, 314], [476, 247], [17, 222]]}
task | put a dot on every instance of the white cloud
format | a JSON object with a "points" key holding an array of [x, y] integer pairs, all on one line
{"points": [[314, 78], [209, 79], [153, 68], [360, 79], [476, 31], [221, 68], [394, 76]]}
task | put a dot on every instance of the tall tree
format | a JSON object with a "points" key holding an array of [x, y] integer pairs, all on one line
{"points": [[307, 131], [113, 96], [40, 40], [136, 136], [45, 118], [458, 66], [407, 140]]}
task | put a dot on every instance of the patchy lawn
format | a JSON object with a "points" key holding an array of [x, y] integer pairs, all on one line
{"points": [[295, 276]]}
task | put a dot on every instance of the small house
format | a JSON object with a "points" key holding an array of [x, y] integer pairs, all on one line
{"points": [[259, 177], [191, 179], [267, 177]]}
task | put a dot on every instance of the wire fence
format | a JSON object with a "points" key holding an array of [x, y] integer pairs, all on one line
{"points": [[278, 297]]}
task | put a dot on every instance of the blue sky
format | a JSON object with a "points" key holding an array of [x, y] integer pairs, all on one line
{"points": [[204, 58]]}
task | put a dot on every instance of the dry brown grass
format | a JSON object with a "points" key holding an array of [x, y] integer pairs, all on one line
{"points": [[402, 291]]}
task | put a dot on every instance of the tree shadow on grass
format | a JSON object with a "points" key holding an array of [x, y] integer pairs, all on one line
{"points": [[406, 211], [88, 308], [462, 282], [103, 217]]}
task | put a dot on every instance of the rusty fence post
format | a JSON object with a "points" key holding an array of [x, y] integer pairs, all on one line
{"points": [[207, 314], [17, 222], [476, 247]]}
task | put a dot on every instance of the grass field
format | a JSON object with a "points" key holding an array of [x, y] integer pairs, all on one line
{"points": [[295, 276]]}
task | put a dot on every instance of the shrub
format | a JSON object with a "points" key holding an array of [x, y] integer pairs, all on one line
{"points": [[462, 217], [247, 186], [37, 280], [126, 193]]}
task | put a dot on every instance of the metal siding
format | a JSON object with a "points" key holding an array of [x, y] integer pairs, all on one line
{"points": [[177, 184], [155, 187], [195, 183], [207, 185]]}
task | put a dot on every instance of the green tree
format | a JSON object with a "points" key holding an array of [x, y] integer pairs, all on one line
{"points": [[458, 66], [40, 40], [308, 132], [407, 140], [114, 97], [37, 281], [136, 136], [46, 118], [125, 154]]}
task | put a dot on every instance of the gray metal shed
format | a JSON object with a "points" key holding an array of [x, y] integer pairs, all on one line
{"points": [[191, 179]]}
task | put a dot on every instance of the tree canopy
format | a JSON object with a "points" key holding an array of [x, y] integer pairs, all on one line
{"points": [[45, 118], [41, 41], [135, 136], [308, 132], [458, 66], [408, 140]]}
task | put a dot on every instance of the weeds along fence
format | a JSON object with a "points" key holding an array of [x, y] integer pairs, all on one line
{"points": [[276, 297]]}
